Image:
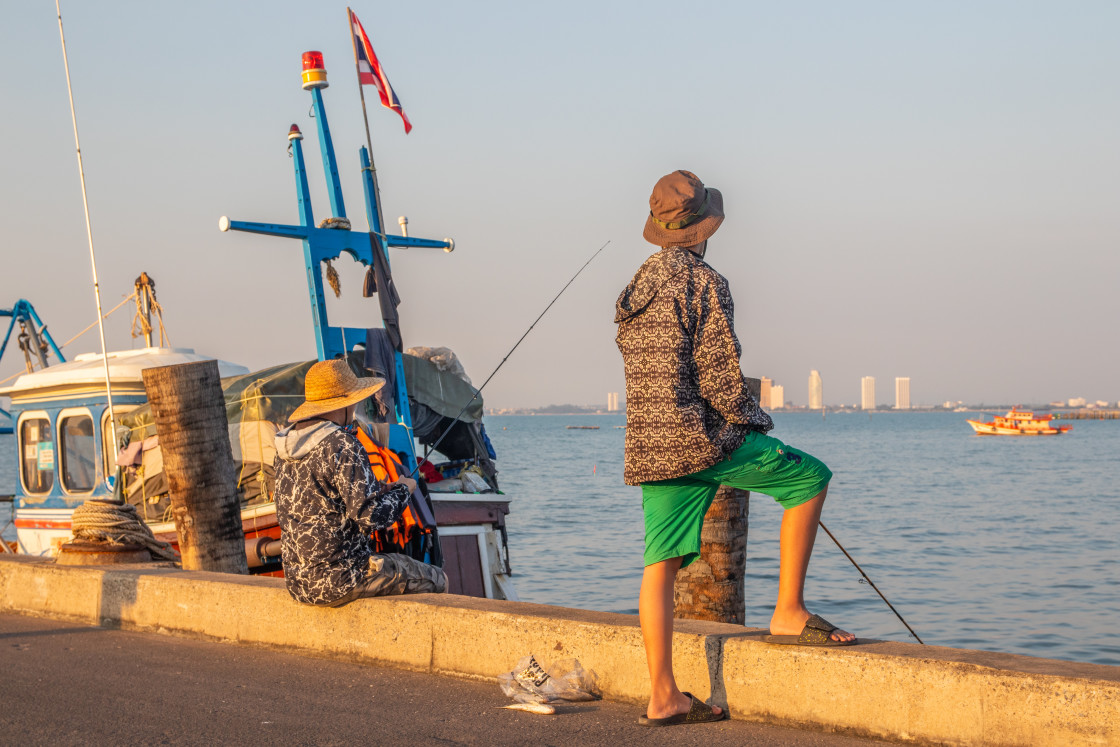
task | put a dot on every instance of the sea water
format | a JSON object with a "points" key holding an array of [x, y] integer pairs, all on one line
{"points": [[7, 482], [1004, 544], [996, 543]]}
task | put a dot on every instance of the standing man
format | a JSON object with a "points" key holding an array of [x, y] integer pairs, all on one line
{"points": [[328, 503], [691, 426]]}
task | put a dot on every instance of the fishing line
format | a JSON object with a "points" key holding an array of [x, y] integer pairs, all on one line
{"points": [[479, 390], [868, 579]]}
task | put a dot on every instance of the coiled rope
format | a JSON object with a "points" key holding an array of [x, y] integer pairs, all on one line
{"points": [[141, 323], [116, 524]]}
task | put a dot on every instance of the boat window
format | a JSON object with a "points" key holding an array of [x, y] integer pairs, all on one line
{"points": [[109, 447], [78, 451], [36, 455]]}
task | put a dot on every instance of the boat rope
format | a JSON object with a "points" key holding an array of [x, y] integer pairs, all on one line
{"points": [[141, 323], [116, 524], [94, 324], [333, 279]]}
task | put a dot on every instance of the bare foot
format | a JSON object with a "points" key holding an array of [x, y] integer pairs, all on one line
{"points": [[678, 704], [792, 623]]}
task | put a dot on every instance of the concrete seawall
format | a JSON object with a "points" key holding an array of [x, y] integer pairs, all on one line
{"points": [[899, 691]]}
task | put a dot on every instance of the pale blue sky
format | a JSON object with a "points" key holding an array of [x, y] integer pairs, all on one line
{"points": [[924, 190]]}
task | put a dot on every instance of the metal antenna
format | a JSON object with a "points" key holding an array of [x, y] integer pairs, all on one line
{"points": [[89, 229], [873, 586], [479, 390]]}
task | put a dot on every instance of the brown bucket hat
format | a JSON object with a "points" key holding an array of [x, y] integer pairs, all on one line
{"points": [[331, 385], [682, 211]]}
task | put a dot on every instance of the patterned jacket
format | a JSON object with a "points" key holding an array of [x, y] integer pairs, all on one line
{"points": [[328, 503], [687, 404]]}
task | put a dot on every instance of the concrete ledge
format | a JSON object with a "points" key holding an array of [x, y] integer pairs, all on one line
{"points": [[900, 691]]}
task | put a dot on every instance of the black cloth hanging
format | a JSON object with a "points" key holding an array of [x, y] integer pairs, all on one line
{"points": [[381, 362], [381, 283]]}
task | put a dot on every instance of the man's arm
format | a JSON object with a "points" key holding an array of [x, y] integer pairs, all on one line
{"points": [[373, 505], [716, 352]]}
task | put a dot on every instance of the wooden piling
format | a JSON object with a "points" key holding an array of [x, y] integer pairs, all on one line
{"points": [[190, 415], [712, 587]]}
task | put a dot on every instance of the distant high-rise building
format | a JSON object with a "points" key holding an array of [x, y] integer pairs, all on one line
{"points": [[867, 396], [777, 396], [902, 393], [612, 401], [764, 393], [816, 391]]}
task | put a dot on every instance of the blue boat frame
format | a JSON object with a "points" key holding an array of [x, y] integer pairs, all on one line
{"points": [[322, 244]]}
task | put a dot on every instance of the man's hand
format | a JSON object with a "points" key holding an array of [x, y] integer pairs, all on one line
{"points": [[407, 482]]}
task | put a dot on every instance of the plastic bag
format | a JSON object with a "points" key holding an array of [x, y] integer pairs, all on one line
{"points": [[566, 679]]}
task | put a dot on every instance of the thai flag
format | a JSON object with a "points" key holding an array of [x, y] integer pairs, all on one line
{"points": [[370, 72]]}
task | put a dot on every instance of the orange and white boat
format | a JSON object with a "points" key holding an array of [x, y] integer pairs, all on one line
{"points": [[1019, 423]]}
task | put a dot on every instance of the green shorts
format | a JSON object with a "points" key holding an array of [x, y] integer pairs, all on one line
{"points": [[674, 509]]}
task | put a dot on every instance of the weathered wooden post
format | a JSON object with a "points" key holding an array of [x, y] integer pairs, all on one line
{"points": [[712, 587], [190, 415]]}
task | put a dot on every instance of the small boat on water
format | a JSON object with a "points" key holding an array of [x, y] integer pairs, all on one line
{"points": [[1019, 423]]}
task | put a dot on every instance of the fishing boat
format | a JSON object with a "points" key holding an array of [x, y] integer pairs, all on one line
{"points": [[1019, 423], [68, 451], [64, 438]]}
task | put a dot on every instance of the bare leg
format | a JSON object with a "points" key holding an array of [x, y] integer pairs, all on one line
{"points": [[655, 611], [799, 532]]}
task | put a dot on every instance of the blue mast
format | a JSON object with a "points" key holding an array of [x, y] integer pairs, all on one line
{"points": [[333, 236]]}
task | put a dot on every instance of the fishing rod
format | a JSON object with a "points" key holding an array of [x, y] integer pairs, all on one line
{"points": [[478, 391], [89, 233], [873, 586]]}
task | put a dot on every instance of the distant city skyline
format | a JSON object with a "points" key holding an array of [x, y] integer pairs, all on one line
{"points": [[772, 397]]}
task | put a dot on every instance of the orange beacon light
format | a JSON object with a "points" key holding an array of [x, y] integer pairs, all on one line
{"points": [[314, 73]]}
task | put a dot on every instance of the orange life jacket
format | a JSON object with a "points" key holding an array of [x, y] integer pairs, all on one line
{"points": [[387, 468], [383, 462]]}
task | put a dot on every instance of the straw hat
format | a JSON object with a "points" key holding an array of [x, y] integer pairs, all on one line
{"points": [[682, 211], [331, 385]]}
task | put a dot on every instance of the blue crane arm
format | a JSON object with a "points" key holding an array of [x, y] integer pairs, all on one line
{"points": [[23, 311]]}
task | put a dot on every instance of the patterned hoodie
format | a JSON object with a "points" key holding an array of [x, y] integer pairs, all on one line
{"points": [[328, 503], [687, 404]]}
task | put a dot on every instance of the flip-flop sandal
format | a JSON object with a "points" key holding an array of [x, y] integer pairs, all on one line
{"points": [[698, 713], [815, 633]]}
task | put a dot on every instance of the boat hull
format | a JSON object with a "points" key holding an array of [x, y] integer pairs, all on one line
{"points": [[990, 429], [471, 528]]}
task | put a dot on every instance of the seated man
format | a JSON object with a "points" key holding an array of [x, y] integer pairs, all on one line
{"points": [[328, 502]]}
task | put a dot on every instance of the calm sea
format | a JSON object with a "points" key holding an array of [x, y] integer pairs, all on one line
{"points": [[1003, 544]]}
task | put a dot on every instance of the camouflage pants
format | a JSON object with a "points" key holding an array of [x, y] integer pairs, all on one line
{"points": [[392, 574]]}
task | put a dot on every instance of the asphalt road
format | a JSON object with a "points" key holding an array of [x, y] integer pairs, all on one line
{"points": [[62, 683]]}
